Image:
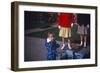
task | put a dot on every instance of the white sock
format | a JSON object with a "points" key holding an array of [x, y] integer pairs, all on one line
{"points": [[69, 46], [63, 46], [81, 43]]}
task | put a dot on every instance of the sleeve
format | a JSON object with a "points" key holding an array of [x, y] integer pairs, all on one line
{"points": [[57, 45], [58, 17], [48, 45], [74, 18]]}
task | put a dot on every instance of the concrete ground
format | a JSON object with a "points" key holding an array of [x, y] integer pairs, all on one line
{"points": [[35, 49], [35, 43]]}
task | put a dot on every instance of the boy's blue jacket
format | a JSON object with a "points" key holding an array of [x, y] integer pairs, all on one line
{"points": [[51, 47]]}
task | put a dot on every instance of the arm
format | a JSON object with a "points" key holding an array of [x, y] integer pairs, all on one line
{"points": [[88, 26], [58, 21], [74, 19], [48, 45]]}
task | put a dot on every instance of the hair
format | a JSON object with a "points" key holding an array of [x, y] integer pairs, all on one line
{"points": [[51, 33]]}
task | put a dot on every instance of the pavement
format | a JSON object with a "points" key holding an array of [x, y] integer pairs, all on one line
{"points": [[35, 49], [35, 46]]}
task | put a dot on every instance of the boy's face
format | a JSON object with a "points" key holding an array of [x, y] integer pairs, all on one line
{"points": [[51, 36]]}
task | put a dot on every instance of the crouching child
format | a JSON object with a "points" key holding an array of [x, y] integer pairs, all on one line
{"points": [[51, 47]]}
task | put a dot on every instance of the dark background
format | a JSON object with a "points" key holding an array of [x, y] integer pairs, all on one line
{"points": [[39, 19]]}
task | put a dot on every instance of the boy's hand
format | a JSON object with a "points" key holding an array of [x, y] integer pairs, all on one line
{"points": [[48, 40]]}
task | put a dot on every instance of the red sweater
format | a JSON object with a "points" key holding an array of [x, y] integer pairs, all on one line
{"points": [[65, 19]]}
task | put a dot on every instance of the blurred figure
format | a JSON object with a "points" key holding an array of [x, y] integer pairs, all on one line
{"points": [[51, 46], [83, 21], [65, 22]]}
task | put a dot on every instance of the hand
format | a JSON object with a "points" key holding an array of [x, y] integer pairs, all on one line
{"points": [[72, 24], [59, 27], [48, 40], [88, 26]]}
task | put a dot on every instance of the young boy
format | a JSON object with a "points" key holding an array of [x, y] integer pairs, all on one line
{"points": [[65, 21], [51, 46]]}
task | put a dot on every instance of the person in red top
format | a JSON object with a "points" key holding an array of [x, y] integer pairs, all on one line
{"points": [[65, 21]]}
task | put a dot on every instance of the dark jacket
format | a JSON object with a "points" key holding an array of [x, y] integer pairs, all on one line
{"points": [[83, 19], [51, 48]]}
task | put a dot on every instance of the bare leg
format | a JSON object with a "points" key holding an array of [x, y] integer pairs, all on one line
{"points": [[85, 41], [67, 40], [69, 46], [81, 38], [63, 42]]}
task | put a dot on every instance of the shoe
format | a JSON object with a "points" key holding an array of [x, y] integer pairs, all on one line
{"points": [[69, 46], [81, 43]]}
